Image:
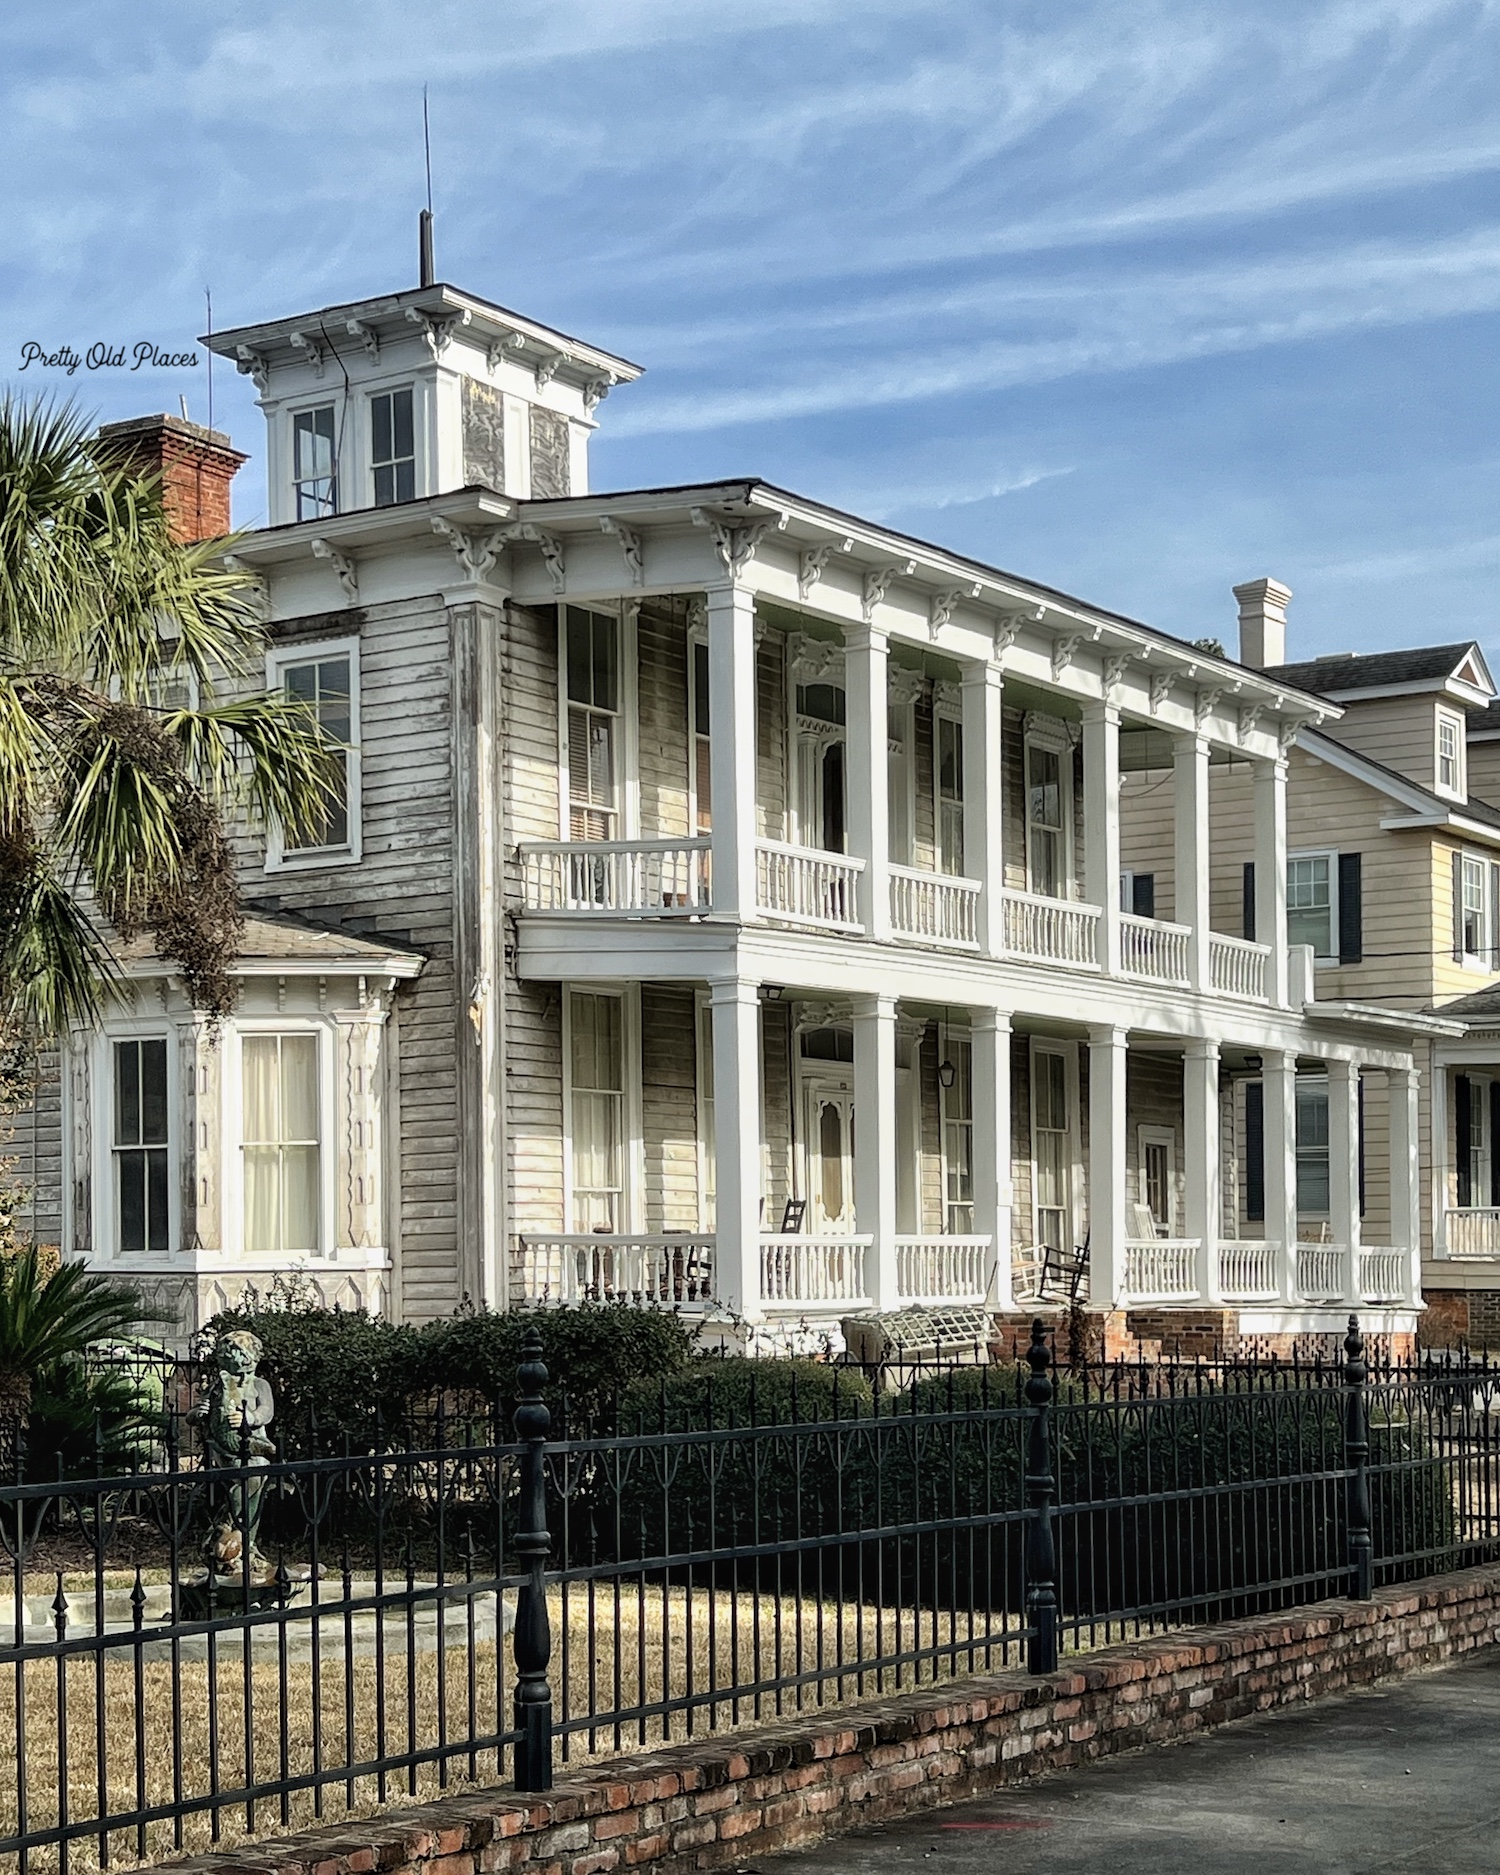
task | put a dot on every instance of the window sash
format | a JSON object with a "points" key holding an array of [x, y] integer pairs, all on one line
{"points": [[597, 1062], [1045, 825], [280, 1143], [1314, 1181], [1309, 903], [393, 450], [315, 463], [957, 1112], [326, 686], [139, 1147]]}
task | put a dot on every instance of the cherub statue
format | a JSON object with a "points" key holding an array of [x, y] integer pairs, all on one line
{"points": [[234, 1418]]}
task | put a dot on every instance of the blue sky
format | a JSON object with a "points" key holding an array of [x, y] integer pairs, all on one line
{"points": [[1137, 299]]}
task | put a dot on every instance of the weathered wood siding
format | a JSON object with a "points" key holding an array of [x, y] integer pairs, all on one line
{"points": [[662, 693], [669, 1106]]}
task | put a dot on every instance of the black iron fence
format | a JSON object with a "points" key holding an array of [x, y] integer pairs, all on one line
{"points": [[493, 1585]]}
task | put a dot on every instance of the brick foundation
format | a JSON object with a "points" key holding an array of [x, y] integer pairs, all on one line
{"points": [[1453, 1318], [1157, 1334], [725, 1800]]}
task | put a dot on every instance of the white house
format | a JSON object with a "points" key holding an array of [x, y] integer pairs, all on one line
{"points": [[726, 910]]}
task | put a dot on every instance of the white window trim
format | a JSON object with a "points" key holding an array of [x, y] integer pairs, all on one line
{"points": [[106, 1251], [1460, 790], [1160, 1136], [626, 617], [367, 438], [1331, 957], [330, 1147], [1051, 734], [339, 404], [1484, 961], [1069, 1052], [629, 994], [307, 858]]}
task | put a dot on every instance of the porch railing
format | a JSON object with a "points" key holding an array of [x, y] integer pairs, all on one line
{"points": [[655, 878], [1384, 1275], [806, 885], [942, 1269], [1055, 930], [1320, 1271], [1472, 1233], [936, 906], [813, 1272], [1248, 1270], [1161, 1269], [1154, 949], [665, 1272], [1238, 967]]}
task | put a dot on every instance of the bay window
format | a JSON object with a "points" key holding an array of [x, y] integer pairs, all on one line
{"points": [[315, 463], [281, 1143], [139, 1147]]}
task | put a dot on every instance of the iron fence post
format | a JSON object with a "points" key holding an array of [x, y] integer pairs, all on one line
{"points": [[1357, 1459], [532, 1639], [1041, 1558]]}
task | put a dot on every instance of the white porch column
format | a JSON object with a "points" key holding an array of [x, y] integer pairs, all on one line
{"points": [[984, 797], [867, 738], [1343, 1170], [875, 1142], [1437, 1081], [736, 1028], [1190, 815], [1279, 1130], [1406, 1174], [1270, 874], [1106, 1165], [731, 684], [993, 1191], [1200, 1134], [1101, 825]]}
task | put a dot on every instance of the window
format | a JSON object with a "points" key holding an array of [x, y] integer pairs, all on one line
{"points": [[142, 1211], [324, 678], [1138, 894], [819, 772], [703, 818], [596, 1059], [1310, 909], [1450, 755], [1052, 1148], [1312, 1147], [948, 760], [1047, 808], [393, 452], [1475, 923], [593, 725], [898, 774], [315, 463], [1158, 1177], [707, 1135], [957, 1109], [281, 1144]]}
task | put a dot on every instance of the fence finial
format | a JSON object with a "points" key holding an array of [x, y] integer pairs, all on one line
{"points": [[1041, 1559], [1357, 1460], [532, 1640]]}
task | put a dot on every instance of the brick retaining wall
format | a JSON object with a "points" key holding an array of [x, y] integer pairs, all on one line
{"points": [[724, 1800]]}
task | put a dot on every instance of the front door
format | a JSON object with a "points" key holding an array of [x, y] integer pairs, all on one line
{"points": [[828, 1123]]}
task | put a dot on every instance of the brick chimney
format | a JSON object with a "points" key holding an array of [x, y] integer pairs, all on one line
{"points": [[195, 465], [1263, 604]]}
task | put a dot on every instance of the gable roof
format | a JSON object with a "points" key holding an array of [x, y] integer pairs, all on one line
{"points": [[282, 943], [1422, 804], [1480, 1008], [1424, 667]]}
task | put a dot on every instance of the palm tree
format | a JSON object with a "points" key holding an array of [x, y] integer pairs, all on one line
{"points": [[114, 797]]}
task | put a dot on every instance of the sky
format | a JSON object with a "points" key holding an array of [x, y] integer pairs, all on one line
{"points": [[1136, 299]]}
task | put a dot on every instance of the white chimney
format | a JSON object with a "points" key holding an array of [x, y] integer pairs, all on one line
{"points": [[1263, 604]]}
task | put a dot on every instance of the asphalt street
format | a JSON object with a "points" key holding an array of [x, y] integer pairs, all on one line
{"points": [[1406, 1776]]}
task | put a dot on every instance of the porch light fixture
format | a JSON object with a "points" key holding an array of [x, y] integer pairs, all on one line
{"points": [[947, 1073]]}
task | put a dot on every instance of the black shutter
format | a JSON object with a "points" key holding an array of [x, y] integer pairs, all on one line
{"points": [[1255, 1149], [1494, 1144], [1351, 909], [1361, 1085], [1458, 908], [1463, 1131], [1143, 894], [1247, 899]]}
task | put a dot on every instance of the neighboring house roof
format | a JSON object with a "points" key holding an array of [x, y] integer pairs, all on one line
{"points": [[1485, 727], [1424, 807], [276, 942], [1480, 1009], [1357, 673]]}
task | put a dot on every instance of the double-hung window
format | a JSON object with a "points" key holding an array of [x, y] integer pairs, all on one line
{"points": [[326, 679], [139, 1143], [596, 1059], [1451, 779], [281, 1145], [948, 760], [315, 463], [703, 817], [593, 725], [393, 452], [1476, 911], [957, 1104], [1310, 907], [1052, 1148], [1047, 806], [1312, 1147]]}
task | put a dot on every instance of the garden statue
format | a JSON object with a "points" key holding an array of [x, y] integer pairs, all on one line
{"points": [[234, 1419]]}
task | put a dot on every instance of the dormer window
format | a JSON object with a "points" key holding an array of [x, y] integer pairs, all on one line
{"points": [[1451, 779], [315, 463], [393, 455]]}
